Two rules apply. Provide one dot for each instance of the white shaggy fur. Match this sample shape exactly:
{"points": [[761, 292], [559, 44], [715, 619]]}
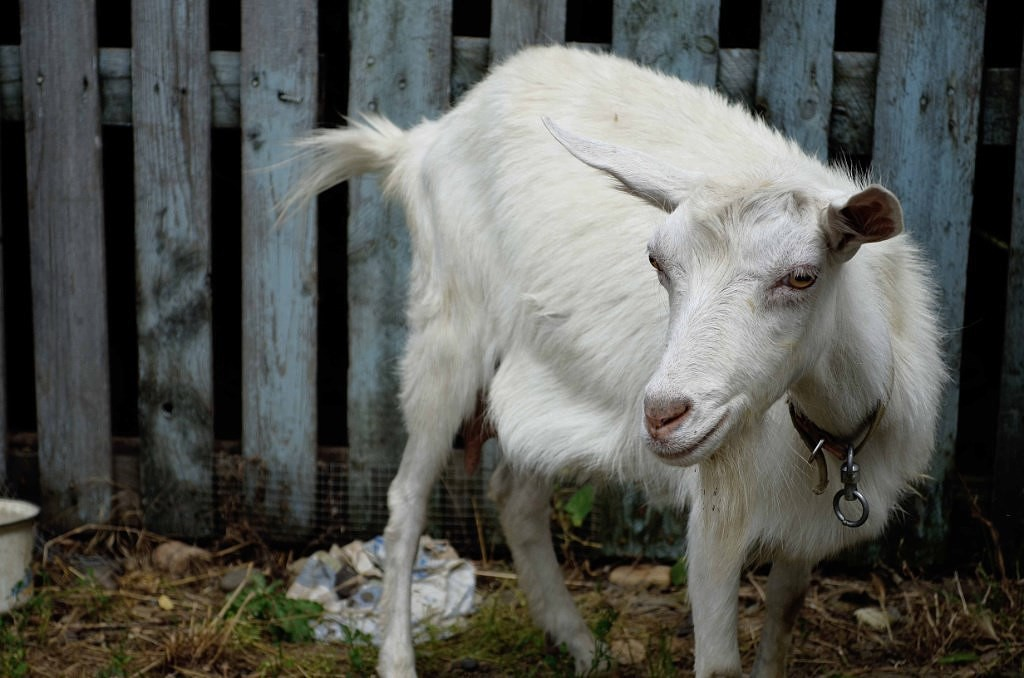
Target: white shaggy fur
{"points": [[531, 284]]}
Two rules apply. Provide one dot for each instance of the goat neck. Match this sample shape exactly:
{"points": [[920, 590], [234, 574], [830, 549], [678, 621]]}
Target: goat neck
{"points": [[846, 389]]}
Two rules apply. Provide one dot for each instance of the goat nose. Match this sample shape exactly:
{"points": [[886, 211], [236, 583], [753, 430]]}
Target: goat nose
{"points": [[662, 418]]}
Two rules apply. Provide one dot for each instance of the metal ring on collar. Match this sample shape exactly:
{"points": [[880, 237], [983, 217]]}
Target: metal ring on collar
{"points": [[851, 495]]}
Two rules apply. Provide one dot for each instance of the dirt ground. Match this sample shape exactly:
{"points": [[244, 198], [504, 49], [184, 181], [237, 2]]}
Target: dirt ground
{"points": [[102, 606]]}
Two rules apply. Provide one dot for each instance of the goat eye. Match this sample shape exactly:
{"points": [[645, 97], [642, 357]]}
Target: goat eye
{"points": [[801, 280], [654, 262]]}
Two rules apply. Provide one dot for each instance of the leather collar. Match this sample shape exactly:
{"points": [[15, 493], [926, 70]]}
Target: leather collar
{"points": [[817, 438]]}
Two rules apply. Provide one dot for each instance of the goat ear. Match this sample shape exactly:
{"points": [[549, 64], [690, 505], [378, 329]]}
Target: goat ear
{"points": [[871, 215], [638, 174]]}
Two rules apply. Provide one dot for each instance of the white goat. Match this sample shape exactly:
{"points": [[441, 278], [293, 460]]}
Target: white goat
{"points": [[530, 291]]}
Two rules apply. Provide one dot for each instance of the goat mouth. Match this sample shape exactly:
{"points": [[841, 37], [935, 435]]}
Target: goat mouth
{"points": [[687, 454]]}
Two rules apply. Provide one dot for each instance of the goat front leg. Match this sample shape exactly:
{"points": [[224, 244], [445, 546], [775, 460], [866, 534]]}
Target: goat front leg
{"points": [[524, 502], [787, 586], [713, 572]]}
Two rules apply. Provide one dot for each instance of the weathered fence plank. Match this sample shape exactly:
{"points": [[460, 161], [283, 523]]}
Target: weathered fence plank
{"points": [[65, 213], [171, 124], [469, 64], [400, 66], [794, 74], [678, 38], [514, 25], [279, 265], [852, 106], [926, 136], [3, 355], [851, 126], [1008, 472], [517, 23]]}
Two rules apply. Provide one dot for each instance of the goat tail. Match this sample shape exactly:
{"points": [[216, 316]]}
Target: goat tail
{"points": [[331, 156]]}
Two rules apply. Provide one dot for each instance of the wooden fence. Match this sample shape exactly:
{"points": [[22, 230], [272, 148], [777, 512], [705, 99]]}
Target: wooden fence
{"points": [[914, 95]]}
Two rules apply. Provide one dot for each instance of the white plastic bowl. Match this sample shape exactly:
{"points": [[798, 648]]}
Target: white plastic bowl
{"points": [[17, 535]]}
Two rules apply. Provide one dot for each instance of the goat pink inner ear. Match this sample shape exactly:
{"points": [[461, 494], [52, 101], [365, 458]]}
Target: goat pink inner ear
{"points": [[874, 213], [871, 215]]}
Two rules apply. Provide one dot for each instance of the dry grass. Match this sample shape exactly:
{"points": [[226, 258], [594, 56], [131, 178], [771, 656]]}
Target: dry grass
{"points": [[101, 609]]}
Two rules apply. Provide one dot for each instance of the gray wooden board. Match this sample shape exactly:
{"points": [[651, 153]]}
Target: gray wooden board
{"points": [[1008, 473], [401, 67], [518, 23], [851, 126], [65, 213], [794, 75], [10, 83], [171, 125], [678, 38], [469, 64], [926, 136], [279, 266], [3, 357], [852, 105], [514, 25]]}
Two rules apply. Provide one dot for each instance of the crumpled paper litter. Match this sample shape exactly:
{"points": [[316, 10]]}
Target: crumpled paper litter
{"points": [[346, 581]]}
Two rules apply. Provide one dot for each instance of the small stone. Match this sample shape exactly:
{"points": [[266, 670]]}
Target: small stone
{"points": [[642, 576], [100, 570], [876, 618], [235, 577], [628, 652], [177, 558]]}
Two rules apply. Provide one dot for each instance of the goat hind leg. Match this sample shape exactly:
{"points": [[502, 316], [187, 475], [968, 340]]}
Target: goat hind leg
{"points": [[787, 585], [439, 387], [524, 502], [407, 507]]}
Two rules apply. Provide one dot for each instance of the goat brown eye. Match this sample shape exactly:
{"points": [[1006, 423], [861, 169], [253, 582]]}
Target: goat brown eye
{"points": [[654, 262], [800, 280]]}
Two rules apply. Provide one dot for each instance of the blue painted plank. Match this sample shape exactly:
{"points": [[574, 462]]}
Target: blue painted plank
{"points": [[678, 38], [171, 126], [69, 301], [926, 136], [794, 74], [400, 66], [279, 264], [518, 23]]}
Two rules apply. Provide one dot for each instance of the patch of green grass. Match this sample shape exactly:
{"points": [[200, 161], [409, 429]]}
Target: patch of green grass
{"points": [[501, 639], [498, 638], [958, 658], [284, 619], [13, 653], [118, 666], [660, 661], [678, 572], [20, 628], [284, 661], [361, 654]]}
